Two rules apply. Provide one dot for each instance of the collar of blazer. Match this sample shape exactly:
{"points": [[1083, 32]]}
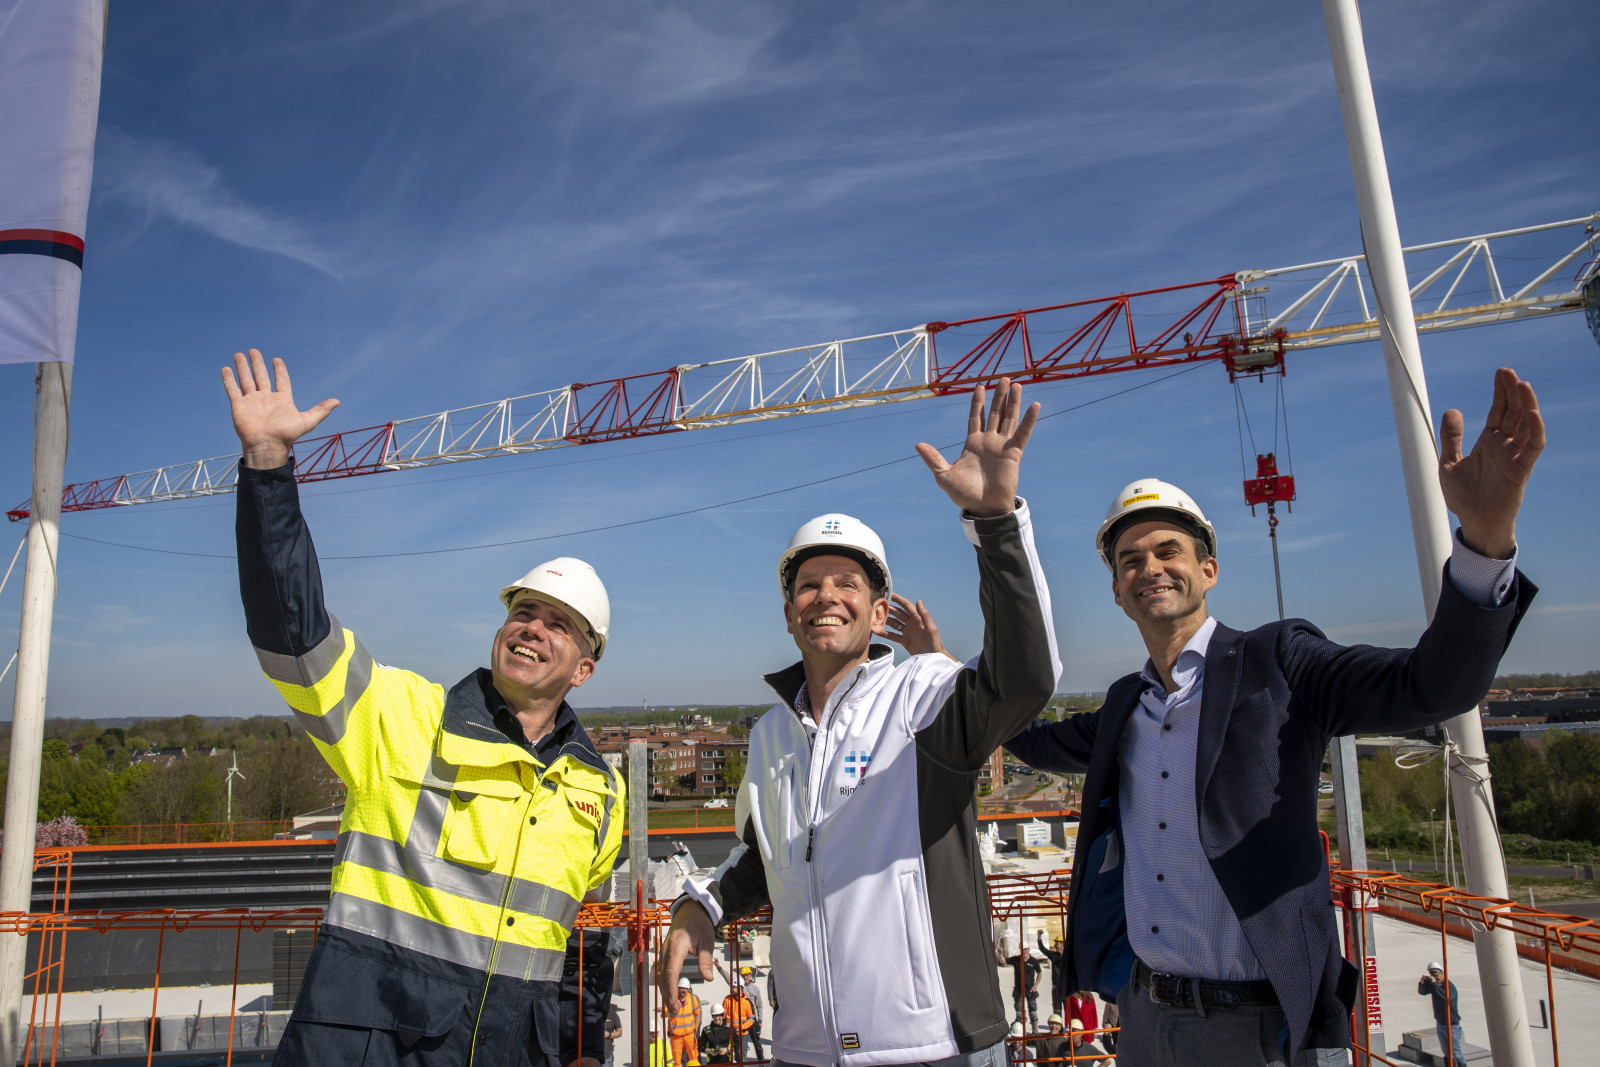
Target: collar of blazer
{"points": [[1224, 658]]}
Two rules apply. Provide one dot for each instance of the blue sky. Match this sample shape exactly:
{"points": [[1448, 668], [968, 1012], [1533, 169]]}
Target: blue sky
{"points": [[428, 205]]}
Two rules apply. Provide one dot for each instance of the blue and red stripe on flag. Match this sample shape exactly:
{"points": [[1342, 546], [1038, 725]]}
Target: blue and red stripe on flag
{"points": [[54, 243]]}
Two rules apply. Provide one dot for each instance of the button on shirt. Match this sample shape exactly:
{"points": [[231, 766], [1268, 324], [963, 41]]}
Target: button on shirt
{"points": [[1179, 920]]}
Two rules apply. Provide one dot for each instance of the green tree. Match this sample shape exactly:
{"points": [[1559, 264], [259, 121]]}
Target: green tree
{"points": [[1519, 771], [56, 774], [282, 779], [1585, 680], [733, 768], [189, 789], [1573, 759]]}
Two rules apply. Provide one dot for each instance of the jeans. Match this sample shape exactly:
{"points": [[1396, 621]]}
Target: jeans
{"points": [[993, 1056], [1160, 1035], [1453, 1043], [1033, 1009]]}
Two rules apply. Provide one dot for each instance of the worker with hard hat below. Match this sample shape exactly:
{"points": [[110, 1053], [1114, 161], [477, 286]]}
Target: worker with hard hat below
{"points": [[1199, 901], [717, 1038], [477, 819], [683, 1025], [857, 813]]}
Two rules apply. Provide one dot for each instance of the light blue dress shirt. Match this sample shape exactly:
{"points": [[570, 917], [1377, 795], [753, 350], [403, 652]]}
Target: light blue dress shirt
{"points": [[1179, 921]]}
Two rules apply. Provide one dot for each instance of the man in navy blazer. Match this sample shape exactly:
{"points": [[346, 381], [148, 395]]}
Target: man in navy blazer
{"points": [[1199, 896]]}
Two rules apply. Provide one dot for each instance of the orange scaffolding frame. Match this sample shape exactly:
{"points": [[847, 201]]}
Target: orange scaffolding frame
{"points": [[1567, 942], [1558, 941]]}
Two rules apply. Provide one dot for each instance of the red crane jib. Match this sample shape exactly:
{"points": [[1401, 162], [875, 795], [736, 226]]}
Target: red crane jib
{"points": [[1268, 486]]}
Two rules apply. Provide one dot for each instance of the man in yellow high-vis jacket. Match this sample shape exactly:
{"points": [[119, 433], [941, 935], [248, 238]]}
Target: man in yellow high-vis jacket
{"points": [[477, 820]]}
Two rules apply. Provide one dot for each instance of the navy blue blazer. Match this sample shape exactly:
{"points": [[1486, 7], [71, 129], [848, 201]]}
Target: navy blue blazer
{"points": [[1270, 701]]}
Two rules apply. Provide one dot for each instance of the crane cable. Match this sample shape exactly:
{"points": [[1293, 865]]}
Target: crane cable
{"points": [[1267, 466]]}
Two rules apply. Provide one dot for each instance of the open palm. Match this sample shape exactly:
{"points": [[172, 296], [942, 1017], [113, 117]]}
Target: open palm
{"points": [[983, 479], [264, 416], [1484, 488]]}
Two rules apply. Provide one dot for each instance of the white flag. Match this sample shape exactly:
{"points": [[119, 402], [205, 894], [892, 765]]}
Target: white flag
{"points": [[49, 103]]}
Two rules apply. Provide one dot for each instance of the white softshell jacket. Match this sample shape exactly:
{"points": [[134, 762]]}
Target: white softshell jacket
{"points": [[863, 838]]}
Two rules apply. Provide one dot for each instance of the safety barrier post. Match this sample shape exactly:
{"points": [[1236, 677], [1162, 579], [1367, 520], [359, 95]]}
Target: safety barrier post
{"points": [[58, 935], [233, 998], [155, 998], [1550, 990], [638, 866], [641, 975], [1444, 958]]}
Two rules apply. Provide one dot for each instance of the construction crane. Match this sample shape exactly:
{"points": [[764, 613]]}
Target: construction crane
{"points": [[1226, 319]]}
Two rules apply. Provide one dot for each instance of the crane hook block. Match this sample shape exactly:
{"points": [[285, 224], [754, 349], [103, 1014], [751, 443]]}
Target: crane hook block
{"points": [[1268, 486]]}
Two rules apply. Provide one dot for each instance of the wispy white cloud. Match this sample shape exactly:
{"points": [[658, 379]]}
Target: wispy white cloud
{"points": [[1565, 609], [174, 182], [117, 618], [1359, 631], [663, 55], [1301, 544]]}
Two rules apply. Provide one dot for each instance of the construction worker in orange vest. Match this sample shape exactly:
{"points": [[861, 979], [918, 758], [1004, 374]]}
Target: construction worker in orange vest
{"points": [[741, 1017], [684, 1026]]}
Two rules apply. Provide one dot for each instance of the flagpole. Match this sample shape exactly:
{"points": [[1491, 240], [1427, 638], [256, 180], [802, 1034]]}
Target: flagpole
{"points": [[33, 672], [1505, 1009]]}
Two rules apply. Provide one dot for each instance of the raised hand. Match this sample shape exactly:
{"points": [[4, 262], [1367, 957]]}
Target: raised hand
{"points": [[264, 417], [1484, 488], [983, 479], [911, 627], [691, 934]]}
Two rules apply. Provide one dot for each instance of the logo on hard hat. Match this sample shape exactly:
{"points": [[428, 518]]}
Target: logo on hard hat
{"points": [[833, 527], [1142, 496], [558, 574]]}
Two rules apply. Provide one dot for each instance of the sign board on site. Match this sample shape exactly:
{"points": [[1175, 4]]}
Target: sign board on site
{"points": [[1374, 1012]]}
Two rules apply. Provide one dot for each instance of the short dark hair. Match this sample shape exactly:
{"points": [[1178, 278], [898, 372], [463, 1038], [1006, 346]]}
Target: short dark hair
{"points": [[874, 573]]}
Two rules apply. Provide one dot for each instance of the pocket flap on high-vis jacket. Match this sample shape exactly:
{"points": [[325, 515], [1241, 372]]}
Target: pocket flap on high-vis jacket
{"points": [[476, 826]]}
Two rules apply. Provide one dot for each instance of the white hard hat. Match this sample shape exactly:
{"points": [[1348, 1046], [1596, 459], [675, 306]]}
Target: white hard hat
{"points": [[1154, 496], [1016, 1028], [573, 586], [834, 534]]}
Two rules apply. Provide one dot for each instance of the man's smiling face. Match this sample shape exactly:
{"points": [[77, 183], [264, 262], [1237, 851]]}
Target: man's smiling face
{"points": [[1159, 576], [540, 651], [831, 609]]}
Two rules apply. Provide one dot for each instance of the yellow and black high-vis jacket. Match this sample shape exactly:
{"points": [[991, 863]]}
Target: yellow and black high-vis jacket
{"points": [[464, 852]]}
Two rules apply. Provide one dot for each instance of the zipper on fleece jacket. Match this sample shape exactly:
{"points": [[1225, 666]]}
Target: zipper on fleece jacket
{"points": [[814, 797]]}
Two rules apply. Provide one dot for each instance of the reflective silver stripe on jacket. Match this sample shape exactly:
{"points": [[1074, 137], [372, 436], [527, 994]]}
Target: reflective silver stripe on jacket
{"points": [[307, 670], [447, 876], [444, 942]]}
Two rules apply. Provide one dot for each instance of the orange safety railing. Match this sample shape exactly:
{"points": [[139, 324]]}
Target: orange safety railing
{"points": [[1556, 941], [184, 833], [663, 821], [645, 921], [1031, 1048], [1559, 942]]}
